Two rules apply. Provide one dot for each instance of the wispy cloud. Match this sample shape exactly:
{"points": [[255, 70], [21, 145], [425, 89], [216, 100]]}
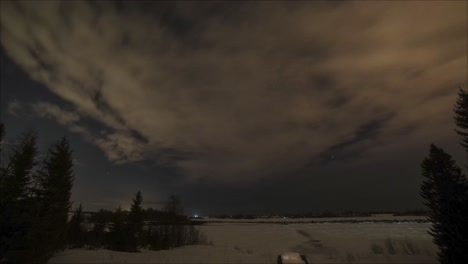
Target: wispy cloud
{"points": [[250, 88], [52, 111]]}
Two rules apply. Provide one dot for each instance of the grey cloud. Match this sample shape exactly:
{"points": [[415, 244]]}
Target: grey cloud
{"points": [[356, 146], [119, 147], [54, 112], [251, 88], [367, 131]]}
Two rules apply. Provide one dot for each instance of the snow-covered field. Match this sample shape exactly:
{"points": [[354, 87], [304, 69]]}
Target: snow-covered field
{"points": [[403, 242], [380, 218]]}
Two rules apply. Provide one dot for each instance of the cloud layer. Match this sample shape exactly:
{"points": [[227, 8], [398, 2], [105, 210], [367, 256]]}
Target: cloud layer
{"points": [[244, 90]]}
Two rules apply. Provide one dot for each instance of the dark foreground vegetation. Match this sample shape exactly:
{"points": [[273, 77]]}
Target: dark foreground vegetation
{"points": [[135, 229], [35, 208], [445, 190], [34, 199]]}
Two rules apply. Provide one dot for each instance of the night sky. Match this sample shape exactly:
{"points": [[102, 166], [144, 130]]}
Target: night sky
{"points": [[251, 107]]}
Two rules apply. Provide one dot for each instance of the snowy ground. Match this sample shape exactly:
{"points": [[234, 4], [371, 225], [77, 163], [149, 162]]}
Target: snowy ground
{"points": [[380, 218], [261, 243]]}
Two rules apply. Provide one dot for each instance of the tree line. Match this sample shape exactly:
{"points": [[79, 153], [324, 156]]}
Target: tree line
{"points": [[35, 204], [129, 231], [445, 191]]}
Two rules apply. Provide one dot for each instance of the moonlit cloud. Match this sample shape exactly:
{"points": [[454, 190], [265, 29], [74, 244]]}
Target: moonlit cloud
{"points": [[243, 90], [54, 112]]}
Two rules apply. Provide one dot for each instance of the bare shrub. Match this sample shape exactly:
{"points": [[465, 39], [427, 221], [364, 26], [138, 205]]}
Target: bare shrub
{"points": [[390, 245], [350, 258], [377, 249], [409, 248], [171, 236]]}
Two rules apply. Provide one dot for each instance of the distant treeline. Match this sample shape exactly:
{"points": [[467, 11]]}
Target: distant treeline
{"points": [[137, 228], [324, 214], [150, 217]]}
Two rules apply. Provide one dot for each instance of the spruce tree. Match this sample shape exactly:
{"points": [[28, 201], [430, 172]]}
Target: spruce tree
{"points": [[75, 233], [17, 175], [461, 117], [135, 222], [16, 204], [118, 234], [2, 136], [445, 191], [97, 237], [55, 179], [2, 168]]}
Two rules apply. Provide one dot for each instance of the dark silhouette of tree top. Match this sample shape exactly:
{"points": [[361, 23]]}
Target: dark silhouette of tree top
{"points": [[136, 214], [461, 116], [2, 135], [17, 174], [136, 202]]}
